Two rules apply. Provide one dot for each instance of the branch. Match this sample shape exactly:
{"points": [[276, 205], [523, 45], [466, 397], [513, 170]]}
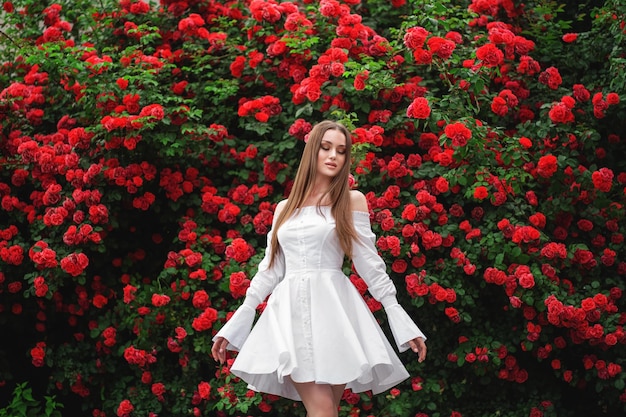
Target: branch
{"points": [[9, 38]]}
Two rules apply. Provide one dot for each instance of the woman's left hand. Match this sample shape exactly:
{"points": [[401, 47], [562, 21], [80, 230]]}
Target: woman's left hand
{"points": [[218, 351], [418, 345]]}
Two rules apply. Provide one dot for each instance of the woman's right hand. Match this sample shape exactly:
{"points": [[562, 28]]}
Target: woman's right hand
{"points": [[219, 349]]}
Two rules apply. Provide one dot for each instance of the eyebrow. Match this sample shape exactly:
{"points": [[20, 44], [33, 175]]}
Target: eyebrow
{"points": [[331, 143]]}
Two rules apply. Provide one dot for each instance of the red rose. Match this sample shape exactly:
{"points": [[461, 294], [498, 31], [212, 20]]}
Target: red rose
{"points": [[418, 109], [153, 111], [205, 320], [160, 300], [580, 93], [313, 91], [358, 283], [602, 179], [399, 266], [525, 234], [422, 56], [585, 225], [129, 293], [561, 113], [359, 80], [526, 281], [415, 37], [238, 284], [125, 408], [481, 192], [553, 250], [75, 263], [239, 250], [551, 78], [458, 133], [499, 106], [494, 276], [570, 37], [201, 300], [193, 259], [452, 314], [387, 223], [528, 66], [204, 390], [612, 99], [8, 7], [538, 220], [158, 388], [99, 300], [393, 243], [441, 47], [410, 212], [531, 197], [584, 258], [237, 66], [442, 185], [490, 54], [547, 166], [431, 239], [38, 354]]}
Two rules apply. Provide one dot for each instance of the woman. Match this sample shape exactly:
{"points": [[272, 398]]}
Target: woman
{"points": [[316, 335]]}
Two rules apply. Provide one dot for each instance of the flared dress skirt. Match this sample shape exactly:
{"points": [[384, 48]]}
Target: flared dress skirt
{"points": [[316, 327]]}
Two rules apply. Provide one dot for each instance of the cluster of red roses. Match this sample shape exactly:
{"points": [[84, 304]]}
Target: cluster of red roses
{"points": [[439, 208], [261, 108]]}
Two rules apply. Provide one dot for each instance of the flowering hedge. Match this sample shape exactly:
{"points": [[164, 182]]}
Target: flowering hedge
{"points": [[143, 147]]}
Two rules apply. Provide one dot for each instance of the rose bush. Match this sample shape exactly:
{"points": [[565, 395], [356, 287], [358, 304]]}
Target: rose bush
{"points": [[144, 145]]}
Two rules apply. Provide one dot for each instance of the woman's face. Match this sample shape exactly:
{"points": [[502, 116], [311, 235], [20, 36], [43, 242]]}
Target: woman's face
{"points": [[332, 153]]}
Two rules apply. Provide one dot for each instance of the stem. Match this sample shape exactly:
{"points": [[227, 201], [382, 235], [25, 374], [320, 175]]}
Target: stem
{"points": [[9, 38]]}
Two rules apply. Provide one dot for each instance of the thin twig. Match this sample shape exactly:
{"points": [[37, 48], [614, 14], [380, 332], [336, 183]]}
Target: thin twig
{"points": [[9, 38]]}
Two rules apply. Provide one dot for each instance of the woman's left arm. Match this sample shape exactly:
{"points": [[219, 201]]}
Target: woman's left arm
{"points": [[372, 268]]}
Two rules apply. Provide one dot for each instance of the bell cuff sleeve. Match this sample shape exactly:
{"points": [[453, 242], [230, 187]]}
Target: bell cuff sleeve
{"points": [[372, 268], [237, 329], [402, 326]]}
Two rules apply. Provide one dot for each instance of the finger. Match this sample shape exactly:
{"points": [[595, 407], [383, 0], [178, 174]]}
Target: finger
{"points": [[217, 348], [413, 346], [422, 351], [221, 351]]}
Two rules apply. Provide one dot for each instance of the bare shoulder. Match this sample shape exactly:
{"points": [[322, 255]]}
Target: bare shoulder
{"points": [[279, 207], [358, 202]]}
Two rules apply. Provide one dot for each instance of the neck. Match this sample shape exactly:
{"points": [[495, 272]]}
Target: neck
{"points": [[316, 195]]}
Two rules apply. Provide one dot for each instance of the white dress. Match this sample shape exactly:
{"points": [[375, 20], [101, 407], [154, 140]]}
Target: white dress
{"points": [[316, 326]]}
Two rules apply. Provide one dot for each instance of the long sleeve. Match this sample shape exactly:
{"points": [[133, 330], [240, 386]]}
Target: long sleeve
{"points": [[237, 329], [372, 268]]}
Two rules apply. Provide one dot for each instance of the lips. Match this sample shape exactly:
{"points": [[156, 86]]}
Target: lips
{"points": [[330, 165]]}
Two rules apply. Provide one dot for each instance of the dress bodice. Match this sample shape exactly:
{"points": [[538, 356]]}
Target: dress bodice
{"points": [[308, 241]]}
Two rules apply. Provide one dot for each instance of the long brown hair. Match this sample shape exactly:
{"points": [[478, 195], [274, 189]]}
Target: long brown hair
{"points": [[338, 193]]}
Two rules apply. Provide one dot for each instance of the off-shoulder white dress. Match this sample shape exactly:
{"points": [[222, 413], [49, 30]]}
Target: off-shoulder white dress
{"points": [[316, 326]]}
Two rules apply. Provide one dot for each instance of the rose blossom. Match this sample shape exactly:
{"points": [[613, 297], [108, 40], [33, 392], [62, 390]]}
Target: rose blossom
{"points": [[547, 166], [418, 109], [490, 54], [458, 133]]}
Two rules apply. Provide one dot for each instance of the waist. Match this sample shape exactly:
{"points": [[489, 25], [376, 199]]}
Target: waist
{"points": [[308, 270]]}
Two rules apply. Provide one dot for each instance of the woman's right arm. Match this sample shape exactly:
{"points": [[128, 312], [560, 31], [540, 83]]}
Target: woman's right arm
{"points": [[236, 330]]}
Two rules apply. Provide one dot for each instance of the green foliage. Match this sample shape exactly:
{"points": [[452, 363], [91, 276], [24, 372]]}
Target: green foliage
{"points": [[143, 147], [23, 404]]}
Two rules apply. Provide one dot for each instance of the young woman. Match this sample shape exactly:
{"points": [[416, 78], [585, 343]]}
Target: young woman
{"points": [[316, 335]]}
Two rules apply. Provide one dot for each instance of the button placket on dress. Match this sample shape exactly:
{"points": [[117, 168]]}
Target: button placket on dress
{"points": [[304, 299], [304, 307]]}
